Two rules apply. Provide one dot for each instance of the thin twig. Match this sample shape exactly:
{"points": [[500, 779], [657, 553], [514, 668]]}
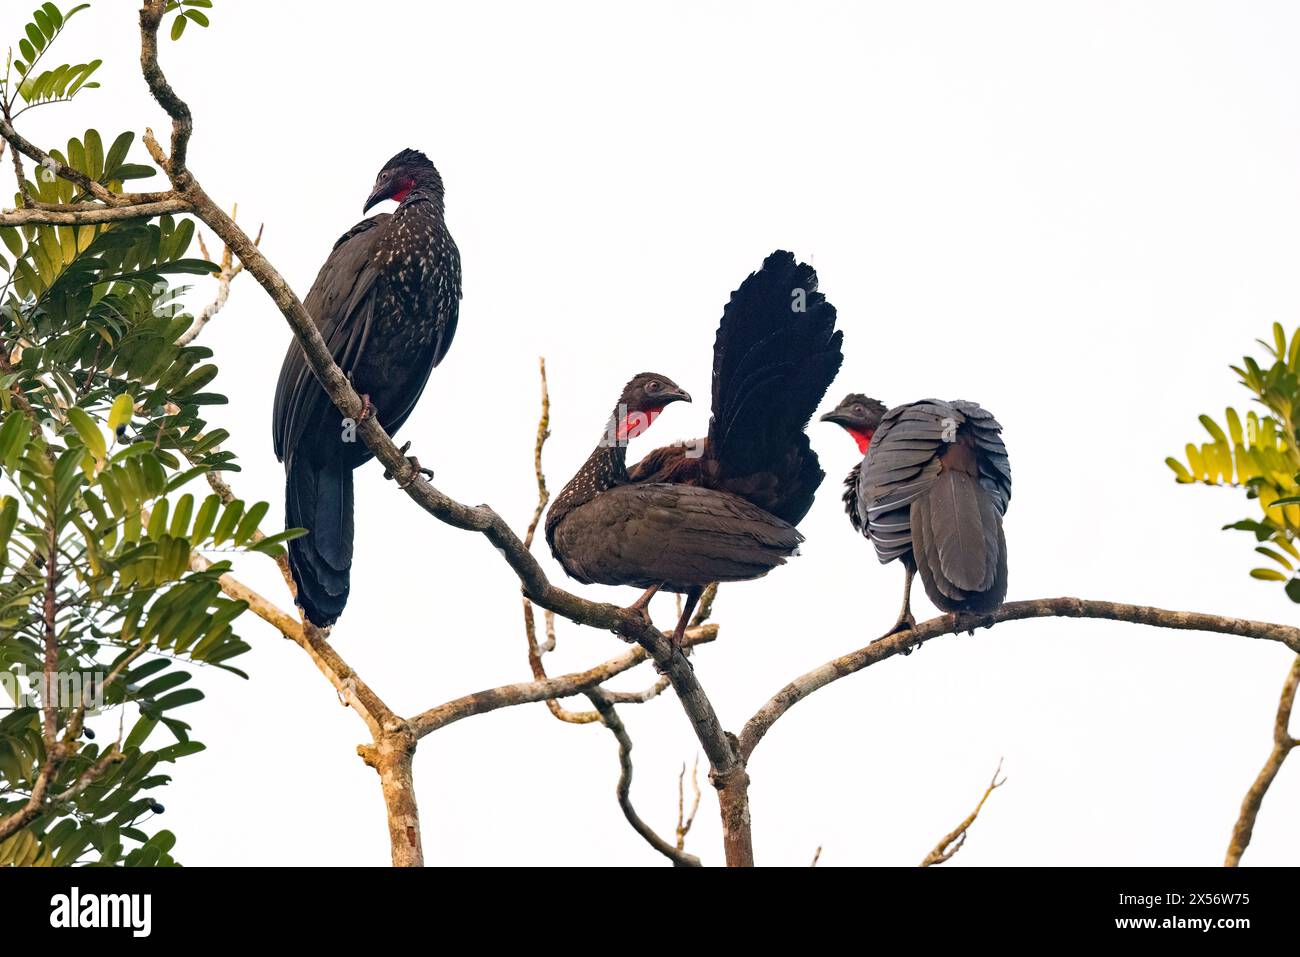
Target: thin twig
{"points": [[609, 715], [227, 271], [952, 842], [686, 819]]}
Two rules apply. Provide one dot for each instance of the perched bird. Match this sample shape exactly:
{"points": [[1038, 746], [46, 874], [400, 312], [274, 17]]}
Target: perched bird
{"points": [[931, 491], [386, 303], [722, 508]]}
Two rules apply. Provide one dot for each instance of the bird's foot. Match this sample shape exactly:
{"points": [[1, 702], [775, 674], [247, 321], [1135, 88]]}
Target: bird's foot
{"points": [[416, 469], [367, 408], [906, 622], [676, 646], [968, 621]]}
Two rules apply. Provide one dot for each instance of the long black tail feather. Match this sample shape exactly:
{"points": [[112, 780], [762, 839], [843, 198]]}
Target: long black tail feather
{"points": [[319, 499]]}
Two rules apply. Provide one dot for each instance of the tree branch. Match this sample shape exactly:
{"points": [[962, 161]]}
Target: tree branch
{"points": [[89, 215], [151, 15], [527, 692], [1283, 744], [46, 161], [890, 645]]}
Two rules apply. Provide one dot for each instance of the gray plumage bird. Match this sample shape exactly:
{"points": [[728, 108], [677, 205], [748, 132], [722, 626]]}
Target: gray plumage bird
{"points": [[931, 490], [386, 303]]}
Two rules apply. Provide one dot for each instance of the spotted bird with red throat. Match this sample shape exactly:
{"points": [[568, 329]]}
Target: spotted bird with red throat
{"points": [[386, 303], [722, 508], [931, 490]]}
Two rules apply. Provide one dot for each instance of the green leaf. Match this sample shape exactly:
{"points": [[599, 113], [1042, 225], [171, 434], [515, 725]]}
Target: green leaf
{"points": [[1212, 427], [229, 519], [132, 171], [1276, 556], [178, 698], [120, 414], [13, 439], [142, 729], [248, 524], [206, 519], [8, 519], [181, 516], [178, 27], [270, 542], [88, 432], [1267, 574], [179, 750], [117, 152], [158, 520]]}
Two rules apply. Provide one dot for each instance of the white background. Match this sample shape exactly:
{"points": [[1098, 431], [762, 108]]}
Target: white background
{"points": [[1076, 214]]}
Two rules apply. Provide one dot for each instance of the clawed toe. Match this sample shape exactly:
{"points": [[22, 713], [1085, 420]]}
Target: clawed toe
{"points": [[417, 468], [968, 621]]}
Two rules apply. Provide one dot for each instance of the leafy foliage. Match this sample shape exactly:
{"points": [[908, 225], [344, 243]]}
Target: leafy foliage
{"points": [[189, 12], [102, 428], [57, 85], [1261, 455]]}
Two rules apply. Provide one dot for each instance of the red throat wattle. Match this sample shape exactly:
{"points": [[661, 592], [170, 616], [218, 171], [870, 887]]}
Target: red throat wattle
{"points": [[863, 438], [402, 190], [634, 423]]}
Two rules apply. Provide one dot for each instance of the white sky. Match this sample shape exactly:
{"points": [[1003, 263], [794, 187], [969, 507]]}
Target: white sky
{"points": [[1076, 214]]}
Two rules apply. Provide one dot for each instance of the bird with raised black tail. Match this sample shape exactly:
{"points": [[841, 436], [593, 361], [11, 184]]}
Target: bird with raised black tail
{"points": [[931, 490], [722, 508], [386, 303]]}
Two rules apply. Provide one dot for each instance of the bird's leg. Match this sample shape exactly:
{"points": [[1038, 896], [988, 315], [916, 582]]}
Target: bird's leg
{"points": [[906, 620], [367, 407], [679, 633], [642, 605], [415, 464]]}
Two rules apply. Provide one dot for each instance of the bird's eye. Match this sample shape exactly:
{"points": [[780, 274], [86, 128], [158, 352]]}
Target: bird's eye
{"points": [[859, 410], [652, 385], [385, 174]]}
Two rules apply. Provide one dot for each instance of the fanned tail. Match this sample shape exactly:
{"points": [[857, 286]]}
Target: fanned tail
{"points": [[776, 353]]}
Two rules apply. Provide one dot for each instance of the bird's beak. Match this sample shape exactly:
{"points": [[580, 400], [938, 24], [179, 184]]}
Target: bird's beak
{"points": [[380, 194], [834, 416], [678, 395]]}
